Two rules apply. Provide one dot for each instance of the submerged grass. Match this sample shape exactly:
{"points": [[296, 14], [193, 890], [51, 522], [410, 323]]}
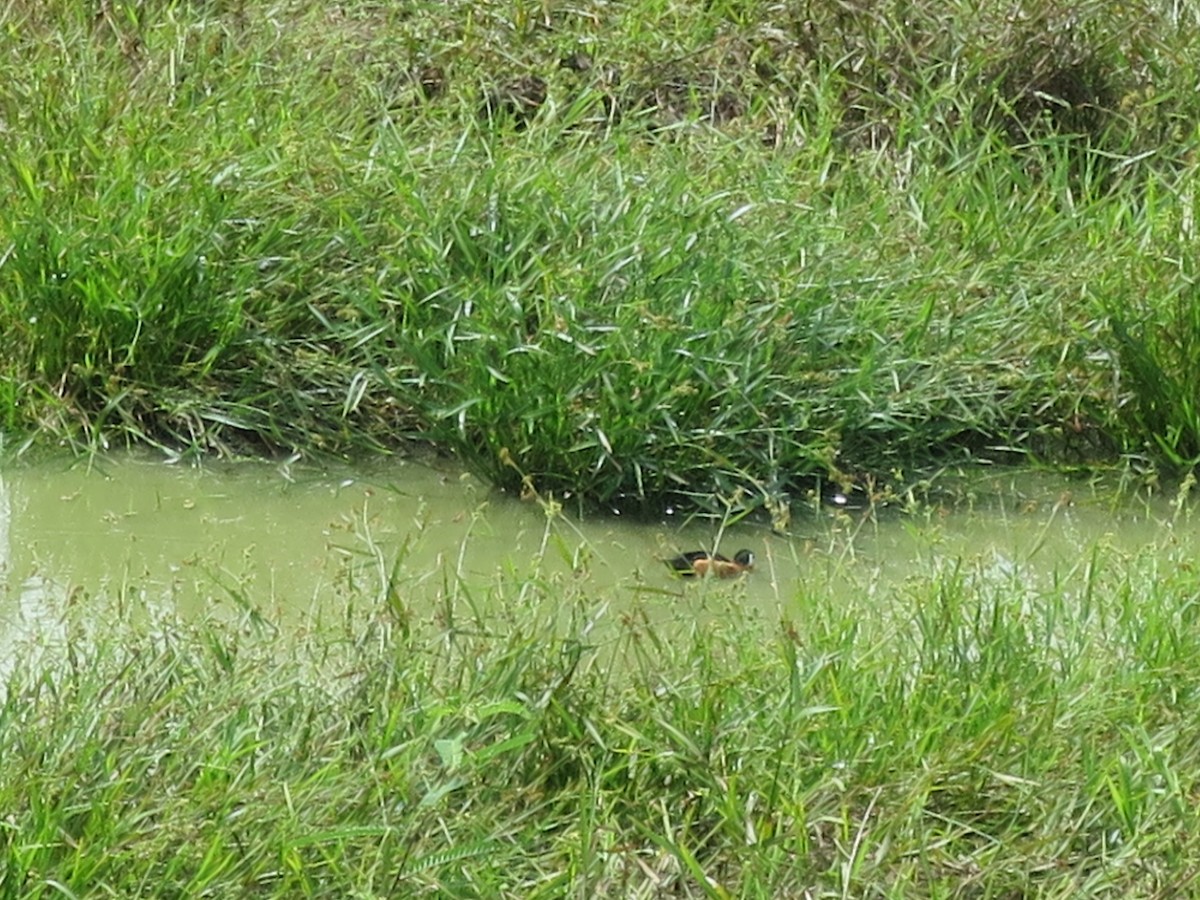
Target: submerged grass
{"points": [[632, 252], [969, 736]]}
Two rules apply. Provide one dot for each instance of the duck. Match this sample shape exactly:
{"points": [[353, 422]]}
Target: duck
{"points": [[698, 563]]}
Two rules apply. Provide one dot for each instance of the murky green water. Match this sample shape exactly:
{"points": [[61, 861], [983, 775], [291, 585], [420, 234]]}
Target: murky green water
{"points": [[135, 537]]}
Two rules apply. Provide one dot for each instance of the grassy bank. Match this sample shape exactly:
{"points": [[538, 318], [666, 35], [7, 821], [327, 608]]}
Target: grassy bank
{"points": [[965, 736], [627, 251]]}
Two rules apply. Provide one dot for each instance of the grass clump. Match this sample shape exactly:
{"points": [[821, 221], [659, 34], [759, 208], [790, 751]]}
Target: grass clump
{"points": [[967, 735], [647, 252]]}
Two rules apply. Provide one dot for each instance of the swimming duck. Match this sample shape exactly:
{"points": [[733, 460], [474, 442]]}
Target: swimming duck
{"points": [[697, 563]]}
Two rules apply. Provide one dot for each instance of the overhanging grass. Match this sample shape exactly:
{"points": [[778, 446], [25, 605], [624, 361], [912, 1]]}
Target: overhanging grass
{"points": [[967, 735], [732, 252]]}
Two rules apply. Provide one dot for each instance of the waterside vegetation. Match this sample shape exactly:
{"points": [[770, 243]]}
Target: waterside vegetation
{"points": [[968, 735], [638, 253], [635, 253]]}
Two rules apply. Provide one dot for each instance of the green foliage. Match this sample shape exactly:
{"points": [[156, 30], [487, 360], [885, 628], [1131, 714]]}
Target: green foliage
{"points": [[1158, 342], [632, 252], [1033, 740]]}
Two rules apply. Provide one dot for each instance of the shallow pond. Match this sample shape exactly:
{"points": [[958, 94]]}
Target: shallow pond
{"points": [[292, 545]]}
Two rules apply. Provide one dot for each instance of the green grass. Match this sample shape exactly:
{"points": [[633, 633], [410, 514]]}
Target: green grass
{"points": [[965, 734], [729, 251], [750, 246]]}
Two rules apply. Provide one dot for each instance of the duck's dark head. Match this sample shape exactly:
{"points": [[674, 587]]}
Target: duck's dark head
{"points": [[744, 558]]}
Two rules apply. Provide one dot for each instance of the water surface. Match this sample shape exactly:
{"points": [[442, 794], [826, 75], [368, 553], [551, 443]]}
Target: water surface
{"points": [[294, 545]]}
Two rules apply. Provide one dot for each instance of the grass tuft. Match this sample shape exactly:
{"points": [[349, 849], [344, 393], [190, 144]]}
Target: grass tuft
{"points": [[659, 254], [972, 731]]}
